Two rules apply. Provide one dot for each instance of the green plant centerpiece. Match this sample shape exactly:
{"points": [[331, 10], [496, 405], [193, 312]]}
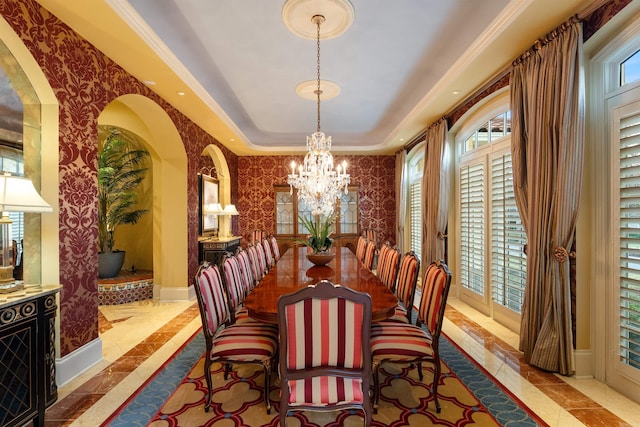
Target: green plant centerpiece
{"points": [[122, 166], [319, 240]]}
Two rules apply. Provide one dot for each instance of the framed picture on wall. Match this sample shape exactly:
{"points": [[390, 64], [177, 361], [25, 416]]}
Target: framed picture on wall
{"points": [[209, 194]]}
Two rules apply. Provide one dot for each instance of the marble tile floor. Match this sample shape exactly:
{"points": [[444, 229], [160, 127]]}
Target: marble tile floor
{"points": [[139, 337]]}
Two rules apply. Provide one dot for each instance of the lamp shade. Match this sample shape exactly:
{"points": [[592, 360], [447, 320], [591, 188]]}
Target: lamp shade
{"points": [[230, 210], [17, 194], [213, 209]]}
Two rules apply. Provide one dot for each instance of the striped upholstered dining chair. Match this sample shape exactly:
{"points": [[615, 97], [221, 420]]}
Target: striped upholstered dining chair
{"points": [[238, 343], [258, 274], [370, 255], [394, 342], [257, 236], [387, 267], [325, 362], [406, 287], [236, 289], [275, 249], [262, 259], [361, 247], [371, 235], [248, 277], [268, 253]]}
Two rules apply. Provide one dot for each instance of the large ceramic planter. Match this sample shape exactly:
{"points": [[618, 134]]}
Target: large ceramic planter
{"points": [[320, 258], [110, 264]]}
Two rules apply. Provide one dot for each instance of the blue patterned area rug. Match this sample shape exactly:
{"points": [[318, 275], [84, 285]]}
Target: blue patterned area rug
{"points": [[174, 396]]}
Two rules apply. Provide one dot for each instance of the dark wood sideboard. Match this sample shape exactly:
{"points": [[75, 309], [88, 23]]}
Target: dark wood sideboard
{"points": [[27, 355], [212, 249]]}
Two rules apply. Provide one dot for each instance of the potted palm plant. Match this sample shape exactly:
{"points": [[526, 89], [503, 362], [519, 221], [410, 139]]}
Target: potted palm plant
{"points": [[121, 169], [319, 240]]}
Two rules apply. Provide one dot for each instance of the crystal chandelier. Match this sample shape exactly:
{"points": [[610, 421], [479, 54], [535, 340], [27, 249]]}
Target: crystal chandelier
{"points": [[318, 183]]}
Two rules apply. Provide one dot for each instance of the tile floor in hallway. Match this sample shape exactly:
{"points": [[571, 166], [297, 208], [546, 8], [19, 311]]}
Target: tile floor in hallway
{"points": [[138, 338]]}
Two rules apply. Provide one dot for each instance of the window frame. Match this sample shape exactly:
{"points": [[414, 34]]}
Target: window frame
{"points": [[415, 172], [300, 234], [480, 115]]}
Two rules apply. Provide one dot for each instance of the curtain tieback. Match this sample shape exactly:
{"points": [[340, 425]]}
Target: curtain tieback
{"points": [[441, 235], [561, 254]]}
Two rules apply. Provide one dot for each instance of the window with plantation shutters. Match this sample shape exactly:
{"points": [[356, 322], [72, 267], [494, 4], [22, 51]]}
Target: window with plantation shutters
{"points": [[415, 212], [508, 262], [628, 138], [472, 227]]}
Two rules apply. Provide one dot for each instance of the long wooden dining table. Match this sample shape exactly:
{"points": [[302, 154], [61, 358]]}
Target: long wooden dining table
{"points": [[293, 271]]}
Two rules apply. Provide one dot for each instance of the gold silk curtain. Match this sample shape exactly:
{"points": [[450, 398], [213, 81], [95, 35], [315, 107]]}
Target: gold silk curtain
{"points": [[547, 105], [435, 193], [401, 198]]}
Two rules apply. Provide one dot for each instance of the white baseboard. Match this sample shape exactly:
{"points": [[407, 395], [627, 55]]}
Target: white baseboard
{"points": [[584, 363], [78, 361], [167, 293]]}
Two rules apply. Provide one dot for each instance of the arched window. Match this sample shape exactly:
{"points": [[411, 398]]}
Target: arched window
{"points": [[492, 265]]}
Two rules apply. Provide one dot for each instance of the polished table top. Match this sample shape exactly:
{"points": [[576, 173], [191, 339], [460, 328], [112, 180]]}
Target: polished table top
{"points": [[293, 271]]}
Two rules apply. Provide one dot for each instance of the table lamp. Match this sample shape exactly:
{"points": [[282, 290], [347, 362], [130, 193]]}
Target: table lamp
{"points": [[214, 209], [230, 210], [17, 194]]}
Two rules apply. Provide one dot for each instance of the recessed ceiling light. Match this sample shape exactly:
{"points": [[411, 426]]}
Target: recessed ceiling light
{"points": [[401, 139], [456, 92], [149, 82], [232, 140], [181, 93]]}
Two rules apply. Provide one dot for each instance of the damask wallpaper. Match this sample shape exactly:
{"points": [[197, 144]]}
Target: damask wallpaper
{"points": [[374, 174], [84, 81]]}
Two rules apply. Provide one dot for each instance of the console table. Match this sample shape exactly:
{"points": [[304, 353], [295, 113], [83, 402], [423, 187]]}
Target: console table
{"points": [[27, 354], [212, 249]]}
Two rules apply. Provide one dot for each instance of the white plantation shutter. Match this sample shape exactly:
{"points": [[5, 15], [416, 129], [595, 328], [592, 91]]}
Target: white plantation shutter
{"points": [[415, 213], [472, 230], [508, 262], [628, 135]]}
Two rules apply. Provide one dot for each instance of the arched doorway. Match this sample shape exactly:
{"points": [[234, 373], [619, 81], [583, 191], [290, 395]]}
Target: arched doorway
{"points": [[148, 120]]}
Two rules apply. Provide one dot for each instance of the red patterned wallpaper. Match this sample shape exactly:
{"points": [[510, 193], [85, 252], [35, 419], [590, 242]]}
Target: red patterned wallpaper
{"points": [[85, 81], [374, 174]]}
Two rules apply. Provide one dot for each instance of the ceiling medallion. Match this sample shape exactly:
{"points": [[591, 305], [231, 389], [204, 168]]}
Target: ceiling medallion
{"points": [[339, 15], [307, 90]]}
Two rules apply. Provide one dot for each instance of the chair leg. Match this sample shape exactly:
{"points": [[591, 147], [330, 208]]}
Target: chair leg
{"points": [[376, 385], [207, 376], [267, 385], [367, 408], [227, 369], [284, 407], [436, 380]]}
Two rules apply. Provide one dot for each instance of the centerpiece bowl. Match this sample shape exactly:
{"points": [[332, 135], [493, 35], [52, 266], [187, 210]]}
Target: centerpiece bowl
{"points": [[320, 258]]}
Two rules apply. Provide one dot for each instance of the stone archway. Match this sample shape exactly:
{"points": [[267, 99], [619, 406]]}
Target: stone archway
{"points": [[169, 159]]}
